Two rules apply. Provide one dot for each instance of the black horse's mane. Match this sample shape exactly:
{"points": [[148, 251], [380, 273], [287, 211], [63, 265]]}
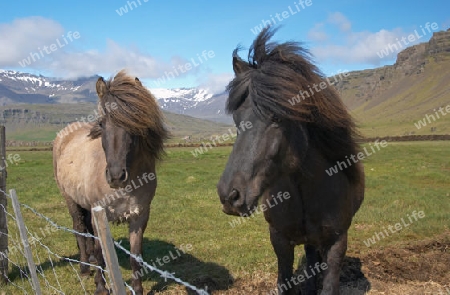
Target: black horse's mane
{"points": [[276, 73]]}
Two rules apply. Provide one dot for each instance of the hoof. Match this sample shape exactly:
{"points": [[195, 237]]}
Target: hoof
{"points": [[102, 292], [85, 271], [92, 259]]}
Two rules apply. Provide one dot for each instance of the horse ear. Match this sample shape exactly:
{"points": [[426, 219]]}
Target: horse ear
{"points": [[101, 87], [239, 66], [138, 82]]}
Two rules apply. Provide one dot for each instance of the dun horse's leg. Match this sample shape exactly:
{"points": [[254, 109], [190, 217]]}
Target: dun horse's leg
{"points": [[137, 228], [90, 241], [79, 225], [99, 275], [312, 258], [334, 258], [285, 256]]}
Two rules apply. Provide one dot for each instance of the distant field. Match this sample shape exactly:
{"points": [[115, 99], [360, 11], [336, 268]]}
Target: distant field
{"points": [[44, 121], [400, 178]]}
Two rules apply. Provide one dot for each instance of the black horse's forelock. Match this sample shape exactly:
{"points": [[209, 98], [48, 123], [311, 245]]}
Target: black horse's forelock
{"points": [[276, 73]]}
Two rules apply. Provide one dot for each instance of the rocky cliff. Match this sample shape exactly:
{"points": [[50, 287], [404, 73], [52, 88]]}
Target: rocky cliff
{"points": [[398, 94]]}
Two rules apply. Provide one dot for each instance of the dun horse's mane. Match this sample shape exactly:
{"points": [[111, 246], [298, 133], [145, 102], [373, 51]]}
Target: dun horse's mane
{"points": [[276, 73], [131, 106]]}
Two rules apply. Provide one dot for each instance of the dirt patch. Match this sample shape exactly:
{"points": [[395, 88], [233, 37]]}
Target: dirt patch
{"points": [[422, 261], [414, 268], [421, 267]]}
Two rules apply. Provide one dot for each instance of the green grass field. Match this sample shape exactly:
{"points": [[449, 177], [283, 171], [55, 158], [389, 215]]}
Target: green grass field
{"points": [[400, 178]]}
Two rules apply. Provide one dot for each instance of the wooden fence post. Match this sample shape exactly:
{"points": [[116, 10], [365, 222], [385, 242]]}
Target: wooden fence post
{"points": [[4, 203], [108, 250], [26, 245]]}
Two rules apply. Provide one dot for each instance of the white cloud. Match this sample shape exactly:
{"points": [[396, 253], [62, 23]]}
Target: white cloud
{"points": [[359, 48], [352, 47], [341, 21], [445, 25], [23, 37], [317, 33], [216, 83], [113, 59]]}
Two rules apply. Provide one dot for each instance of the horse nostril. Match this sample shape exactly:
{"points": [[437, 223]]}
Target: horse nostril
{"points": [[107, 174], [124, 175], [234, 195]]}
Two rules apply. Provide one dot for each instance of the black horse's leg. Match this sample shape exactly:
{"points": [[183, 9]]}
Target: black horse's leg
{"points": [[137, 228], [99, 275], [285, 256], [79, 225], [334, 257], [312, 260]]}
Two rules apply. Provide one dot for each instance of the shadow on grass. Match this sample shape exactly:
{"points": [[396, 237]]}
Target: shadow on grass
{"points": [[178, 261], [20, 270], [352, 279], [182, 264], [160, 254]]}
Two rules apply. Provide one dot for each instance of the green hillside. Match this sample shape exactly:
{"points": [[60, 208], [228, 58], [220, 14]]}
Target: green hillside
{"points": [[389, 101], [30, 122]]}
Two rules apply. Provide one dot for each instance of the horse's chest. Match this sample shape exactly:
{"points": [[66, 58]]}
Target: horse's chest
{"points": [[123, 209], [295, 233], [298, 229], [293, 229]]}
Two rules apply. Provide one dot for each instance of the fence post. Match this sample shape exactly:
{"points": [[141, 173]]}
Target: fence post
{"points": [[26, 245], [109, 253], [4, 202]]}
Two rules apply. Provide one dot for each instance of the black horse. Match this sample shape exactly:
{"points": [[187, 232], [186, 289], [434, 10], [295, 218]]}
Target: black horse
{"points": [[282, 159]]}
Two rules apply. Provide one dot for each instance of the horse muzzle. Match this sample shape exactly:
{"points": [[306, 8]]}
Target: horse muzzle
{"points": [[235, 204], [116, 177]]}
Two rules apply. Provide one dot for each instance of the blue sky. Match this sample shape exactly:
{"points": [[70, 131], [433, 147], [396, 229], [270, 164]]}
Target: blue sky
{"points": [[159, 39]]}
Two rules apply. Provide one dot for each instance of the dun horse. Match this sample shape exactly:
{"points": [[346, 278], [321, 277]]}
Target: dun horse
{"points": [[112, 163], [286, 153]]}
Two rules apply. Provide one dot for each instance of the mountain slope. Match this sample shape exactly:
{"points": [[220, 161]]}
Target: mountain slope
{"points": [[386, 101], [391, 99], [41, 122], [195, 102], [17, 87]]}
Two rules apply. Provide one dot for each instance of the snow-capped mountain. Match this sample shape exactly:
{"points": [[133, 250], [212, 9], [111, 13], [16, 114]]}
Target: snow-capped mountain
{"points": [[180, 100], [195, 102], [17, 87], [189, 94]]}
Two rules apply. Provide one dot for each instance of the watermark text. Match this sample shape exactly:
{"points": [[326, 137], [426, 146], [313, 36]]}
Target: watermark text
{"points": [[392, 229], [341, 165], [46, 50]]}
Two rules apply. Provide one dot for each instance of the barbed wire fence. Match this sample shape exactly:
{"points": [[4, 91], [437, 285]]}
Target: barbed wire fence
{"points": [[53, 268]]}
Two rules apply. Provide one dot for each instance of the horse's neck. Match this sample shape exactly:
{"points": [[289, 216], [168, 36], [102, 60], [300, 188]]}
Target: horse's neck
{"points": [[143, 162]]}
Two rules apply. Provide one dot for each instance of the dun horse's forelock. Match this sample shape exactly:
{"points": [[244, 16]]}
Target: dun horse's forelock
{"points": [[131, 106], [136, 108]]}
